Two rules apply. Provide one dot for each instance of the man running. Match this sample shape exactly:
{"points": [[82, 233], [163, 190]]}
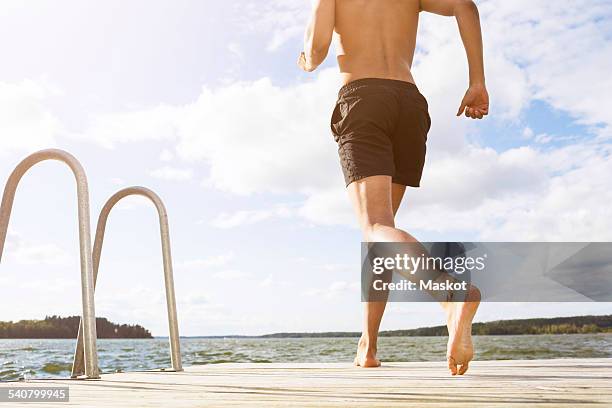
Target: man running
{"points": [[381, 122]]}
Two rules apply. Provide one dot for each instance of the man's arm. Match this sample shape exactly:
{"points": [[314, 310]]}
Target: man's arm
{"points": [[476, 100], [318, 35]]}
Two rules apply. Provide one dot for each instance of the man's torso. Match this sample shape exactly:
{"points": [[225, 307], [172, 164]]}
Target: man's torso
{"points": [[376, 38]]}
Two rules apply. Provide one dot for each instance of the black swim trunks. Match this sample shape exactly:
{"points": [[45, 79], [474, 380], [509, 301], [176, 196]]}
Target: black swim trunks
{"points": [[381, 128]]}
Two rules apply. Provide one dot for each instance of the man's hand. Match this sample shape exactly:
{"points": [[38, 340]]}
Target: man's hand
{"points": [[475, 103], [302, 63]]}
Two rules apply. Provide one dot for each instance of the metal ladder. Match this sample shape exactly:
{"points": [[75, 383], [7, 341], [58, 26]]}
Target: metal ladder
{"points": [[87, 287], [175, 347], [86, 354]]}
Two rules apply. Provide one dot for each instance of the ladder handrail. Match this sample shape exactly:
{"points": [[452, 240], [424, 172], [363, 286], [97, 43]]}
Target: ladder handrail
{"points": [[87, 280], [175, 350]]}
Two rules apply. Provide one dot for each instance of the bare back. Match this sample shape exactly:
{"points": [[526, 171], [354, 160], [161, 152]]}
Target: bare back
{"points": [[376, 38]]}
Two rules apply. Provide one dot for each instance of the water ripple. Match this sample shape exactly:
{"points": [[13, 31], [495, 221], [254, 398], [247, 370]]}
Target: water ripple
{"points": [[53, 358]]}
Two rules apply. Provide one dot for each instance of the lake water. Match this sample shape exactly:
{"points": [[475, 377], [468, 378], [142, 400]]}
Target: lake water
{"points": [[53, 358]]}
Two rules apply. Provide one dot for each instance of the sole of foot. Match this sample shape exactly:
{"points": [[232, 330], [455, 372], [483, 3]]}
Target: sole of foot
{"points": [[460, 315]]}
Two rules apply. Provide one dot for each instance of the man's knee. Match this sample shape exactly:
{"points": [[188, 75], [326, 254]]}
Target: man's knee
{"points": [[383, 232], [387, 232]]}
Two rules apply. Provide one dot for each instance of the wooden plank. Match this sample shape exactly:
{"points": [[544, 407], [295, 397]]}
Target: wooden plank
{"points": [[547, 383]]}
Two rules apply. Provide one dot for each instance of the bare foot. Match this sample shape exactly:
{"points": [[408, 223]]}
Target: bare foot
{"points": [[459, 315], [366, 354]]}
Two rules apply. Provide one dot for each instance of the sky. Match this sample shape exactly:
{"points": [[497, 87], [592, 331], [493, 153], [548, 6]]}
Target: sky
{"points": [[202, 102]]}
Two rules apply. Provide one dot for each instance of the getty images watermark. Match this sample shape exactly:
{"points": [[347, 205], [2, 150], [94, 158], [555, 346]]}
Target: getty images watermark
{"points": [[405, 264], [504, 272]]}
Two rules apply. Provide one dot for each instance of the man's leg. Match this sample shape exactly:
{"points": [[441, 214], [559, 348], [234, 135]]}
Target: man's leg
{"points": [[374, 311], [376, 201]]}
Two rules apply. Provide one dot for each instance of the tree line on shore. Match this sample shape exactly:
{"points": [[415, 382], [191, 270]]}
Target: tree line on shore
{"points": [[557, 325], [56, 327]]}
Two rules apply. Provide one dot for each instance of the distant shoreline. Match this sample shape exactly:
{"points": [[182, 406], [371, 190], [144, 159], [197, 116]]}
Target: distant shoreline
{"points": [[56, 327], [534, 326]]}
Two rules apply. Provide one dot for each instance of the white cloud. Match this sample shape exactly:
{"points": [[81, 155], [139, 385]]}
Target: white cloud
{"points": [[131, 126], [130, 302], [248, 217], [231, 274], [236, 49], [334, 290], [267, 282], [117, 181], [25, 252], [284, 19], [166, 155], [255, 136], [26, 123], [544, 138], [195, 299], [563, 48], [329, 206], [528, 133], [270, 281], [208, 262], [277, 142], [520, 194], [334, 267], [169, 173]]}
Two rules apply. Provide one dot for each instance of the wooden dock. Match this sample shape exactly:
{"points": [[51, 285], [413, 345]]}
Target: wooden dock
{"points": [[545, 383]]}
